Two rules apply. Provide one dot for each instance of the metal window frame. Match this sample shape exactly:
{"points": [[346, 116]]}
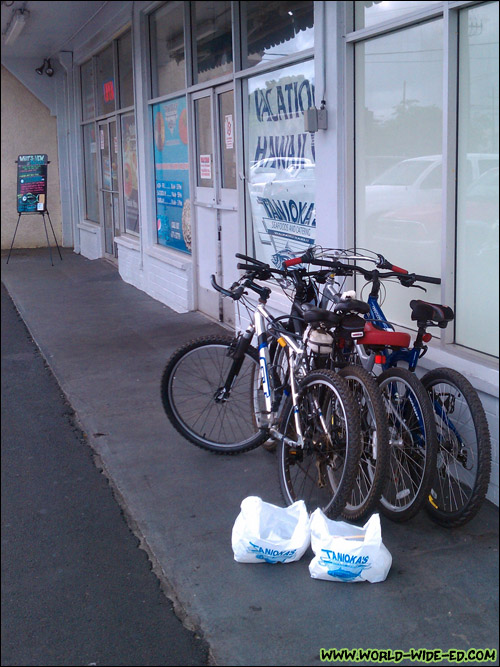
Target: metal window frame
{"points": [[107, 117], [449, 13]]}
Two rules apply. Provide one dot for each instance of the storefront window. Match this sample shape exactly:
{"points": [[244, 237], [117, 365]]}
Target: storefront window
{"points": [[130, 188], [281, 162], [367, 14], [106, 94], [109, 145], [398, 123], [167, 49], [226, 129], [213, 48], [275, 29], [203, 123], [88, 95], [125, 72], [90, 166], [477, 189], [173, 211]]}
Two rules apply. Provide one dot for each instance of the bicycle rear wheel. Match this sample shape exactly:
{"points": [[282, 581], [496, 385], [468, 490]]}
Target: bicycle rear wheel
{"points": [[464, 449], [374, 461], [323, 471], [412, 443], [194, 399]]}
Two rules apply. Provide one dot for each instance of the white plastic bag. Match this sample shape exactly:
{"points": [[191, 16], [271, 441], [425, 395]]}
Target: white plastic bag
{"points": [[347, 553], [265, 533]]}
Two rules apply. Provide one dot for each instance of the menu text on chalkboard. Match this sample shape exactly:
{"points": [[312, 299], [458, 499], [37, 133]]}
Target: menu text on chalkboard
{"points": [[32, 183]]}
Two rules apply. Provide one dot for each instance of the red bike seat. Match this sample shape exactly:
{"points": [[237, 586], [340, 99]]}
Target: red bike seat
{"points": [[375, 336]]}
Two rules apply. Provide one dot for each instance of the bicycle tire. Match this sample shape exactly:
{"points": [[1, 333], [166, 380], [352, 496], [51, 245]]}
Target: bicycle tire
{"points": [[374, 461], [332, 458], [412, 444], [463, 465], [190, 383]]}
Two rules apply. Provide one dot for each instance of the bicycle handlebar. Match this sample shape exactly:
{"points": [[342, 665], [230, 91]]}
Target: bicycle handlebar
{"points": [[427, 279], [292, 262], [348, 269], [254, 261], [383, 263], [405, 278], [235, 292]]}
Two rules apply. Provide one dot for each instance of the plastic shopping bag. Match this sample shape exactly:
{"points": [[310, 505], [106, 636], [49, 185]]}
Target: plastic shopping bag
{"points": [[265, 533], [347, 553]]}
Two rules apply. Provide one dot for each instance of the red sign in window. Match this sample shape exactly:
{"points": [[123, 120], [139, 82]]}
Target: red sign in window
{"points": [[109, 91]]}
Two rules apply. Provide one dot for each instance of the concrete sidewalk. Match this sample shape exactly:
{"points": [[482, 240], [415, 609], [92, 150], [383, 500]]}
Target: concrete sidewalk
{"points": [[107, 344]]}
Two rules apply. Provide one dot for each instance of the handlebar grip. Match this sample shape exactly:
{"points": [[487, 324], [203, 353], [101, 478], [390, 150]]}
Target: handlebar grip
{"points": [[248, 267], [397, 269], [383, 263], [238, 255], [428, 279], [293, 261], [234, 294]]}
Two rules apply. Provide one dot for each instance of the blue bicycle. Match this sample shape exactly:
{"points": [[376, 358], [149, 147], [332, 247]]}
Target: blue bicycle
{"points": [[455, 487]]}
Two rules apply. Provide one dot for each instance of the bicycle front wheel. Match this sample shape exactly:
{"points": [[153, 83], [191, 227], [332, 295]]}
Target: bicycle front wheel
{"points": [[323, 470], [412, 443], [463, 465], [198, 405], [374, 461]]}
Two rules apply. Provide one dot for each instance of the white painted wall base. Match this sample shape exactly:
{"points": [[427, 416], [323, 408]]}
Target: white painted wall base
{"points": [[164, 275], [129, 261], [169, 278], [90, 240]]}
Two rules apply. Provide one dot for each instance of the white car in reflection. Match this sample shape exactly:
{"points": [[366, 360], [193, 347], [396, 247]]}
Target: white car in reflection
{"points": [[415, 182], [263, 172], [417, 229]]}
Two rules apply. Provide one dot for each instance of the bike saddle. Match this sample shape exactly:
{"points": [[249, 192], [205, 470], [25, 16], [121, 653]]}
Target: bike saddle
{"points": [[351, 306], [314, 314], [373, 336], [422, 311]]}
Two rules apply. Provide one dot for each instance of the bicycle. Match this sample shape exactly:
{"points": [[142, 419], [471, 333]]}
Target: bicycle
{"points": [[318, 339], [205, 391], [463, 462]]}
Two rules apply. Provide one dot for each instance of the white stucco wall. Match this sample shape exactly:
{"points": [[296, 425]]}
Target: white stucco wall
{"points": [[27, 127]]}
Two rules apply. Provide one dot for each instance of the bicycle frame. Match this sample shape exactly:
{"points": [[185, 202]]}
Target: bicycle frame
{"points": [[261, 317], [407, 355]]}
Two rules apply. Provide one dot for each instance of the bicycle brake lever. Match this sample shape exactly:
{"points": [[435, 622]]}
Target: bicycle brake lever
{"points": [[410, 282]]}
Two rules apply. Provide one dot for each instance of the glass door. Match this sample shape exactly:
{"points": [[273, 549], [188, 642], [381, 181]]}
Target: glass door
{"points": [[109, 188], [219, 234]]}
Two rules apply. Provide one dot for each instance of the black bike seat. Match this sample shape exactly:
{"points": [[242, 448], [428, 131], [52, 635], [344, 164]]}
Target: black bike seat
{"points": [[351, 306], [315, 314], [423, 311]]}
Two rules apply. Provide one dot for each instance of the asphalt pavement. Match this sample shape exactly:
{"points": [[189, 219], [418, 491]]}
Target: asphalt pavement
{"points": [[107, 344], [77, 589]]}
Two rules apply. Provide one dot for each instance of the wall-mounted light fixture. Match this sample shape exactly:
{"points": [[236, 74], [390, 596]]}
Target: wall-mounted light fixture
{"points": [[16, 25], [46, 66]]}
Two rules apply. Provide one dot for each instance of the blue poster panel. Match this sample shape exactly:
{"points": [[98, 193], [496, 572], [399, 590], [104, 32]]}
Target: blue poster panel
{"points": [[173, 209], [32, 183]]}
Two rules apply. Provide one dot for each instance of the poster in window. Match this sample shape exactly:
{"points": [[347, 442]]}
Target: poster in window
{"points": [[130, 188], [173, 211], [281, 163], [32, 183]]}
